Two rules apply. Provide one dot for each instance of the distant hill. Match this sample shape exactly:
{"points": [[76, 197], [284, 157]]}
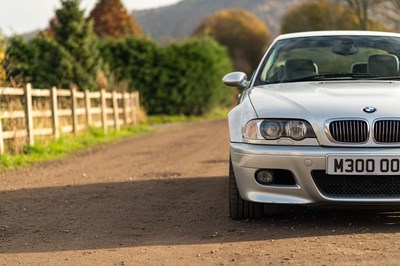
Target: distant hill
{"points": [[30, 35], [180, 20]]}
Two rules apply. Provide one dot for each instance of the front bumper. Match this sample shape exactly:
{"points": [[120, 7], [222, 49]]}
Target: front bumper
{"points": [[300, 160]]}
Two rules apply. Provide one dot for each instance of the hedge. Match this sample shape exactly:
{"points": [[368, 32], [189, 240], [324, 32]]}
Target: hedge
{"points": [[181, 78]]}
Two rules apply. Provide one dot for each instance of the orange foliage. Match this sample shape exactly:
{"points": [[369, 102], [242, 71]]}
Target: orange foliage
{"points": [[245, 36], [112, 20], [323, 15], [2, 57]]}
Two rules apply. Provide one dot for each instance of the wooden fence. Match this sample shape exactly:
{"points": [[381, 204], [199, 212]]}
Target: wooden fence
{"points": [[123, 107]]}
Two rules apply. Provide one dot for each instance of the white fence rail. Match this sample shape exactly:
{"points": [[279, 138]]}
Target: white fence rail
{"points": [[123, 107]]}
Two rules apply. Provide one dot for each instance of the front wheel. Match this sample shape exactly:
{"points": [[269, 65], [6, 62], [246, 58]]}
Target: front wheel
{"points": [[239, 208]]}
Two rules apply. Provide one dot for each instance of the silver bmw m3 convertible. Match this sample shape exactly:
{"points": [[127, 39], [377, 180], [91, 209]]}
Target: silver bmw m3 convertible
{"points": [[318, 123]]}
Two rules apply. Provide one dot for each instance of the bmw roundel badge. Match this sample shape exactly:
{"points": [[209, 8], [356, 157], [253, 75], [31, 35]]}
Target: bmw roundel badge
{"points": [[369, 109]]}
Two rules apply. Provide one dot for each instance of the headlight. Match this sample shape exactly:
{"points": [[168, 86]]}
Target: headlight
{"points": [[273, 129], [297, 130], [250, 131]]}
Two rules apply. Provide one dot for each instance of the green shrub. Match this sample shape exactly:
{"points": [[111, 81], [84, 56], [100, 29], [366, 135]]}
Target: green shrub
{"points": [[42, 61], [65, 54], [18, 60], [177, 79], [51, 64]]}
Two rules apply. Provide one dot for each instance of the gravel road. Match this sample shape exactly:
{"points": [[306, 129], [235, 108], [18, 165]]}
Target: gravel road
{"points": [[161, 199]]}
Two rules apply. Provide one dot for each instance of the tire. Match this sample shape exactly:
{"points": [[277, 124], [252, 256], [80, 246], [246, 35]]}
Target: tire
{"points": [[239, 208]]}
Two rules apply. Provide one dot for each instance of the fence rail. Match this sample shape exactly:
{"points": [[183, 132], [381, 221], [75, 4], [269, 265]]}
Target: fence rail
{"points": [[122, 106]]}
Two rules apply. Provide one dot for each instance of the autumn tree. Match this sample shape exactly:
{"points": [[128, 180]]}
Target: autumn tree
{"points": [[368, 11], [364, 10], [324, 15], [245, 36], [394, 16], [319, 15], [2, 57], [361, 9], [112, 20], [75, 34]]}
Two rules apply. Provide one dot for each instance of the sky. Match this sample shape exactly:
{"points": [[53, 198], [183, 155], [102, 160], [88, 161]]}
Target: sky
{"points": [[22, 16]]}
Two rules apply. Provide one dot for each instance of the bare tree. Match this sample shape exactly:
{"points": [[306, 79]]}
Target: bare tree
{"points": [[363, 9], [394, 14]]}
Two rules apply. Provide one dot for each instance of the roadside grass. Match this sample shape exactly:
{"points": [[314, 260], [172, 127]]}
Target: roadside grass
{"points": [[68, 144], [165, 119], [65, 145]]}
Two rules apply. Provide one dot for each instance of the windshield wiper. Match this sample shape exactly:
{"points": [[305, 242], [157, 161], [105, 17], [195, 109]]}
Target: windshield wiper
{"points": [[387, 78], [332, 76]]}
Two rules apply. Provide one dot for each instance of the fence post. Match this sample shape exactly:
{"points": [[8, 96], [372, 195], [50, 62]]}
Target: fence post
{"points": [[87, 108], [103, 110], [137, 104], [73, 109], [28, 113], [125, 102], [54, 112], [133, 106], [1, 137], [115, 109]]}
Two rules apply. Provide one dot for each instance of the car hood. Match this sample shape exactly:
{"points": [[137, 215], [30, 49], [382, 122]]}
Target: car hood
{"points": [[326, 100], [318, 102]]}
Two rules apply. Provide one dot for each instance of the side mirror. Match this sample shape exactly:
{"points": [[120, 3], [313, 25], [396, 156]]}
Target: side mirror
{"points": [[236, 79]]}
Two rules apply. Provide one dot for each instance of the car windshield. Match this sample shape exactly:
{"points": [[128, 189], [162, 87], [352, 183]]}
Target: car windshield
{"points": [[331, 58]]}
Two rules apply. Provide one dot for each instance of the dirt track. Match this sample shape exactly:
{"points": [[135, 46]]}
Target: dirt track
{"points": [[161, 199]]}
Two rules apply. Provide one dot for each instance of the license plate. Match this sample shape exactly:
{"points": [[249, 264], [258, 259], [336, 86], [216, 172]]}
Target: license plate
{"points": [[363, 165]]}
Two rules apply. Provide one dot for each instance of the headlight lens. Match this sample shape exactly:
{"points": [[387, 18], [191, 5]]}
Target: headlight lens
{"points": [[250, 131], [273, 129], [297, 130]]}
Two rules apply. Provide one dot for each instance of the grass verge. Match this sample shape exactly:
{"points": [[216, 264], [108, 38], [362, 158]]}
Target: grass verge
{"points": [[164, 119], [67, 144]]}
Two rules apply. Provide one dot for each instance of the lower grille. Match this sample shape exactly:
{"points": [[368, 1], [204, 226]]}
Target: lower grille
{"points": [[378, 186]]}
